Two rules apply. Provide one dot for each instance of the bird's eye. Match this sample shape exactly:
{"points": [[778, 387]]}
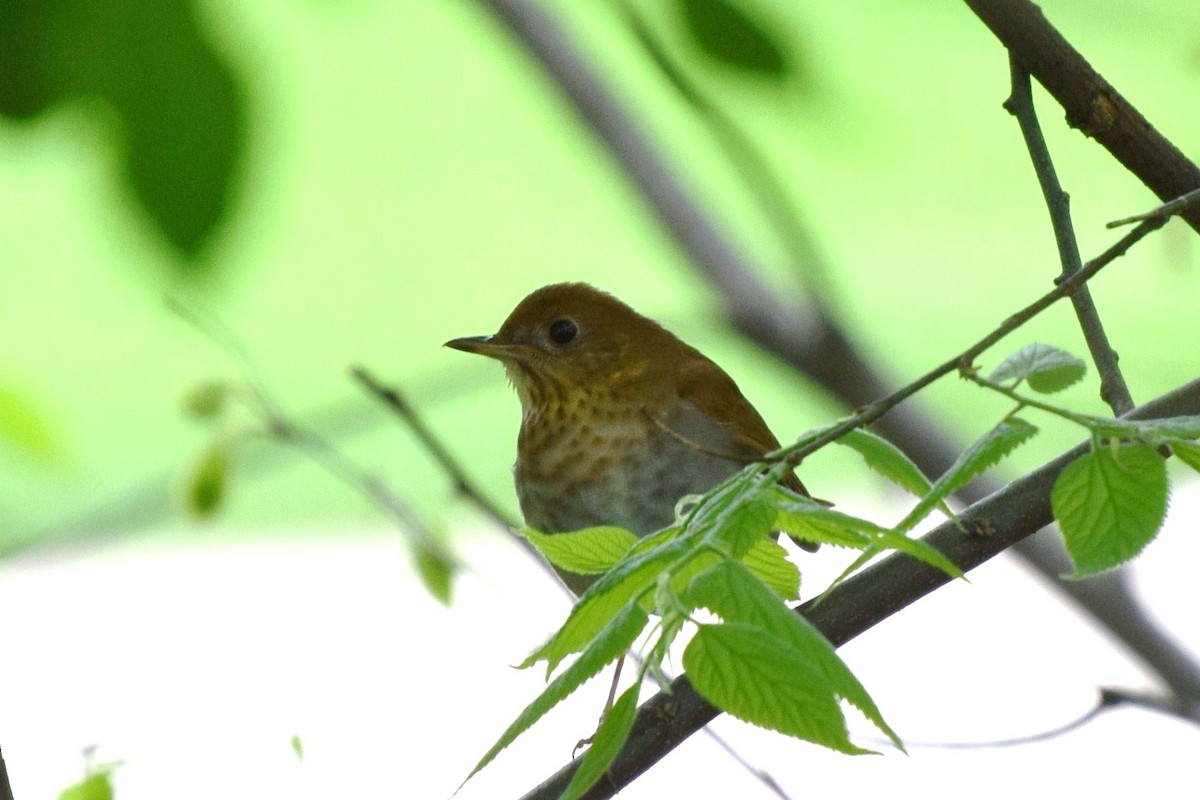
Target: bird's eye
{"points": [[563, 331]]}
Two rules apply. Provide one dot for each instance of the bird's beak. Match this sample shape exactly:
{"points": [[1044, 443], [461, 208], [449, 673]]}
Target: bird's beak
{"points": [[486, 346]]}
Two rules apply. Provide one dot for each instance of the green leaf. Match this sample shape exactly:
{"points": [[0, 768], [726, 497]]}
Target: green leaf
{"points": [[590, 551], [816, 523], [1046, 369], [756, 677], [1109, 504], [731, 592], [606, 745], [206, 488], [1188, 453], [297, 747], [887, 460], [725, 33], [207, 400], [436, 570], [603, 600], [984, 453], [609, 644], [769, 561], [920, 551], [160, 78], [25, 429], [97, 786]]}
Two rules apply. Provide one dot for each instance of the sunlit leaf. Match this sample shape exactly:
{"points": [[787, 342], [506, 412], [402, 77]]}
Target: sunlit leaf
{"points": [[608, 645], [731, 592], [888, 460], [606, 745], [769, 561], [436, 570], [1045, 368], [1110, 504], [1188, 453], [983, 454], [590, 551], [97, 786]]}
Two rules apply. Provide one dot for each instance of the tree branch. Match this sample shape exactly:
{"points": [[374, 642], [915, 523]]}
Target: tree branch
{"points": [[866, 599], [1113, 389], [1093, 106]]}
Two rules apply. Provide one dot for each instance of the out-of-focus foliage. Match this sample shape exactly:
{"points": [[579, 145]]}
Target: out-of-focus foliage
{"points": [[181, 120]]}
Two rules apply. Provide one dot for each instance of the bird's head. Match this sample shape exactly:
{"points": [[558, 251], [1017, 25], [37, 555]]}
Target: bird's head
{"points": [[571, 337]]}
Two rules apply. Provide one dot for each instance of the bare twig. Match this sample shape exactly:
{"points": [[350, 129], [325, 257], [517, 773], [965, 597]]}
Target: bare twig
{"points": [[391, 397], [1113, 389], [1169, 209], [864, 600]]}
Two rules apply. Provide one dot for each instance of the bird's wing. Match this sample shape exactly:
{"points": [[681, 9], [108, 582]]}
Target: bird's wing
{"points": [[713, 416]]}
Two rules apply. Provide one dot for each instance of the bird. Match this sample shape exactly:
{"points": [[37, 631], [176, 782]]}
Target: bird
{"points": [[620, 418]]}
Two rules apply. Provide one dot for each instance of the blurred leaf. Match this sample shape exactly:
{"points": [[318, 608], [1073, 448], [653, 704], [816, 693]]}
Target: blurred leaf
{"points": [[1047, 369], [297, 747], [93, 787], [206, 400], [23, 428], [179, 106], [436, 570], [1109, 504], [1188, 453], [206, 489], [725, 33]]}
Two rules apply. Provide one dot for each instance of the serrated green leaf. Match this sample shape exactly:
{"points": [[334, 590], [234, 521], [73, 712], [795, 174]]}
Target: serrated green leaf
{"points": [[1109, 504], [590, 551], [24, 428], [603, 600], [725, 33], [920, 551], [820, 524], [606, 745], [888, 460], [769, 561], [608, 645], [206, 488], [756, 677], [1188, 453], [1045, 368], [731, 592], [988, 450], [743, 525]]}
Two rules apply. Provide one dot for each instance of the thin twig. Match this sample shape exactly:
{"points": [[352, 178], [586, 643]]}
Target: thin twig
{"points": [[864, 600], [463, 485], [794, 455], [279, 426], [1113, 389], [1169, 209]]}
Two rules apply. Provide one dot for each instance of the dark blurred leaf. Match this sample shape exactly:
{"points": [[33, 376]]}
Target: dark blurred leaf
{"points": [[726, 33], [206, 488], [180, 109]]}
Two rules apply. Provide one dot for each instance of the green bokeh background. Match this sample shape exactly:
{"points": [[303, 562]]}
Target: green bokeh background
{"points": [[409, 173]]}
